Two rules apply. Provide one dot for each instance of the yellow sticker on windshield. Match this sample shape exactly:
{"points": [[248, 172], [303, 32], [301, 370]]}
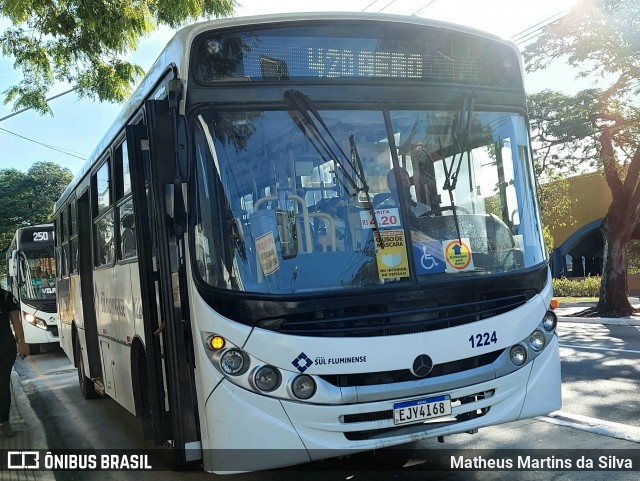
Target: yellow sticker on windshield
{"points": [[457, 255], [392, 258]]}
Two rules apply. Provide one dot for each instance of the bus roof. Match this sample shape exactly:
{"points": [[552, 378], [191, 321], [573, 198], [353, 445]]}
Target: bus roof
{"points": [[175, 51]]}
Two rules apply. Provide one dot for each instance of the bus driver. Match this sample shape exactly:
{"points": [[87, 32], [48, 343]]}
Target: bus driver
{"points": [[417, 208]]}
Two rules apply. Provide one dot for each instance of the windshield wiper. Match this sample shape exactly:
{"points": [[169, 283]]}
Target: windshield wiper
{"points": [[461, 138], [355, 158], [302, 105]]}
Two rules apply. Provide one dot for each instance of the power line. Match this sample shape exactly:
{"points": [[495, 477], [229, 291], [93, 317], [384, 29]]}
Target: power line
{"points": [[531, 32], [374, 1], [421, 9], [57, 149], [29, 108], [539, 25], [387, 5], [64, 151]]}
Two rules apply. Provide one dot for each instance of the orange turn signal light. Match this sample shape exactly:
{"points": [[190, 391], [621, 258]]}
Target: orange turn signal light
{"points": [[555, 303], [216, 343]]}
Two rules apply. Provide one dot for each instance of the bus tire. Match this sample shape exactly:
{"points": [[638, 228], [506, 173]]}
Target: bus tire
{"points": [[87, 387], [34, 348], [143, 394]]}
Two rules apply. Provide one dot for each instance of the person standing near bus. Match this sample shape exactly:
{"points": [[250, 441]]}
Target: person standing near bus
{"points": [[9, 313]]}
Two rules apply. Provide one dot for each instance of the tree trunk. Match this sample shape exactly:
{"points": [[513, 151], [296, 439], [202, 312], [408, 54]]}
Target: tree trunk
{"points": [[617, 228], [614, 301]]}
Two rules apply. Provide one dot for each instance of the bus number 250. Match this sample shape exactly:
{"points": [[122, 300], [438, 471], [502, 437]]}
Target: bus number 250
{"points": [[483, 339]]}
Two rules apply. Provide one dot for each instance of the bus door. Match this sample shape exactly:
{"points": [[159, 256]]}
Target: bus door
{"points": [[160, 215], [88, 317]]}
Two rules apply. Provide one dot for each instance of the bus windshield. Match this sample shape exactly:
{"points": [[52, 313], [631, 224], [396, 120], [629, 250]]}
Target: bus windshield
{"points": [[37, 274], [286, 198]]}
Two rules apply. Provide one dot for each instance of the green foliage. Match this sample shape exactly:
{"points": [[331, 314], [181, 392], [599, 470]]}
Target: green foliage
{"points": [[597, 127], [86, 43], [633, 252], [549, 242], [563, 131], [555, 202], [28, 198], [599, 37], [587, 287]]}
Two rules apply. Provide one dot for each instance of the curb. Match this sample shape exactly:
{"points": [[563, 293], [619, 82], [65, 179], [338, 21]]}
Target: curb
{"points": [[607, 321], [30, 434]]}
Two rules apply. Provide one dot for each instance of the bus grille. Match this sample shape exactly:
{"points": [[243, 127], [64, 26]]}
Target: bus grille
{"points": [[395, 319], [405, 375]]}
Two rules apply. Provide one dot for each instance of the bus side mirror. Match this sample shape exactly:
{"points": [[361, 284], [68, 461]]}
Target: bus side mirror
{"points": [[13, 267], [168, 140], [168, 135]]}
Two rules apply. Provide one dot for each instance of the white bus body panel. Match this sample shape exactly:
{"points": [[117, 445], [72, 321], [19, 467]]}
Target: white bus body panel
{"points": [[115, 296], [70, 312]]}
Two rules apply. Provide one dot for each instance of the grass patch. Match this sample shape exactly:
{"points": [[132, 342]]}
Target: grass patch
{"points": [[570, 299]]}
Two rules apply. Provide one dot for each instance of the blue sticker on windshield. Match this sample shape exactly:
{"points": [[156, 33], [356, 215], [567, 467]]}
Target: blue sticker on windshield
{"points": [[428, 257]]}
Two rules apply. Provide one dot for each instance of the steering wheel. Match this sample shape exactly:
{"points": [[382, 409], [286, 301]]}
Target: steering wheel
{"points": [[446, 207]]}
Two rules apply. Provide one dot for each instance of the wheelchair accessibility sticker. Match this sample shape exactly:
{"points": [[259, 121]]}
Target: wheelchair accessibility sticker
{"points": [[457, 255], [428, 257]]}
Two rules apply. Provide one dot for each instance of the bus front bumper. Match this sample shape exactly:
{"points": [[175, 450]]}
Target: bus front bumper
{"points": [[263, 433]]}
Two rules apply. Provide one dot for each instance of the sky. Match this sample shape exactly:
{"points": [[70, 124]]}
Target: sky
{"points": [[77, 125]]}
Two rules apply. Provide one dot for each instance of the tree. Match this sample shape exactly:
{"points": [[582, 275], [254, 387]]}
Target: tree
{"points": [[601, 126], [86, 43], [28, 198]]}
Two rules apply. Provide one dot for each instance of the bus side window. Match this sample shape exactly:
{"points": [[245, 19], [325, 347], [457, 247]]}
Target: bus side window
{"points": [[104, 250], [127, 230], [127, 225]]}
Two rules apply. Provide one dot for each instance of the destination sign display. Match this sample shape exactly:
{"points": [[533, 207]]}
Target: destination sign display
{"points": [[364, 50], [39, 236]]}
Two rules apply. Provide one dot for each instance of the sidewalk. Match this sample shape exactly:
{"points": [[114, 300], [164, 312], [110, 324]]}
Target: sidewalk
{"points": [[566, 313], [29, 434]]}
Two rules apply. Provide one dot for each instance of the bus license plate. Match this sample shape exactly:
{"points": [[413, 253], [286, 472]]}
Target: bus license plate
{"points": [[421, 409]]}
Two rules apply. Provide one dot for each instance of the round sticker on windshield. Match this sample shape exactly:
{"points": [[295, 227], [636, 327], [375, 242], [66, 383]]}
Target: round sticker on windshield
{"points": [[457, 255]]}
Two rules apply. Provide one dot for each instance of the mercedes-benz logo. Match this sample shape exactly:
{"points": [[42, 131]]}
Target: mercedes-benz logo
{"points": [[422, 366]]}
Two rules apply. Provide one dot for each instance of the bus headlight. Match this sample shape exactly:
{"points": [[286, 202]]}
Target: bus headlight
{"points": [[518, 355], [537, 340], [29, 318], [549, 321], [267, 378], [232, 362], [303, 387]]}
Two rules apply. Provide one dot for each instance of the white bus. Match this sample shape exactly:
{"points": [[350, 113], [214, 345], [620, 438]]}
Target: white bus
{"points": [[282, 301], [31, 278]]}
